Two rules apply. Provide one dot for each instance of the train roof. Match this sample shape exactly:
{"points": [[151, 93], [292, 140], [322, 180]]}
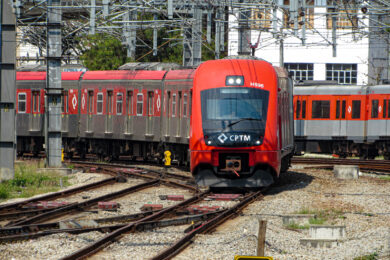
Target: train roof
{"points": [[379, 89], [180, 74], [41, 75], [124, 75], [330, 90]]}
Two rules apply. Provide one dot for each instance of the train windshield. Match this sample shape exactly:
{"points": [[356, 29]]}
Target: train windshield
{"points": [[230, 109]]}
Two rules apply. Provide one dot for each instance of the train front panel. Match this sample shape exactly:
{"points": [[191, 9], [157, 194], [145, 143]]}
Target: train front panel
{"points": [[234, 126]]}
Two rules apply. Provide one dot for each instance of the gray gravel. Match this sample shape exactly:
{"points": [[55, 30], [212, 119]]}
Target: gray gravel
{"points": [[362, 205]]}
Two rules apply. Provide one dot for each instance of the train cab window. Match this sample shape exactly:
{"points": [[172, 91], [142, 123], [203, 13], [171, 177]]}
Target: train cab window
{"points": [[298, 109], [374, 108], [119, 103], [185, 105], [304, 109], [384, 108], [109, 102], [99, 103], [129, 102], [22, 102], [150, 103], [35, 101], [90, 102], [173, 105], [140, 104], [65, 100], [320, 109], [356, 105]]}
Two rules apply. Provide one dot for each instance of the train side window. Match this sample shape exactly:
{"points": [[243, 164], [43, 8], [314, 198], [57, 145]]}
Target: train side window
{"points": [[119, 103], [35, 101], [129, 102], [374, 108], [356, 105], [65, 100], [384, 108], [320, 109], [150, 103], [343, 106], [173, 105], [185, 103], [22, 100], [140, 104], [304, 109], [90, 102], [298, 109], [338, 109], [99, 103], [388, 108]]}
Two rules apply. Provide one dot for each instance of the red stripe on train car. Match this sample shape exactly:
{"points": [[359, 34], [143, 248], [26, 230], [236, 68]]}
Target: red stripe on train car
{"points": [[124, 75], [41, 75]]}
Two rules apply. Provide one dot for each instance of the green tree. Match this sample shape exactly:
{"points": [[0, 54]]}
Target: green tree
{"points": [[102, 52]]}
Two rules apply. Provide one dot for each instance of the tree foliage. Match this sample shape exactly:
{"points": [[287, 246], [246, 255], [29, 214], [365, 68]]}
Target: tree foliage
{"points": [[102, 52]]}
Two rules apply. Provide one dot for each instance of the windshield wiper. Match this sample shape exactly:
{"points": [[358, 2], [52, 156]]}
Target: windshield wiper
{"points": [[244, 119]]}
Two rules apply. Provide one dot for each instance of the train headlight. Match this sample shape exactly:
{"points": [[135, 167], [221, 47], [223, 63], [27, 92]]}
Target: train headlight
{"points": [[258, 142], [234, 80]]}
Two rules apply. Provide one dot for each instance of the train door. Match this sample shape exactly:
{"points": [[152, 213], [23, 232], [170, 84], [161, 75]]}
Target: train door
{"points": [[109, 111], [386, 112], [65, 111], [36, 117], [168, 113], [150, 112], [186, 116], [300, 115], [129, 119], [90, 111], [179, 120], [340, 124]]}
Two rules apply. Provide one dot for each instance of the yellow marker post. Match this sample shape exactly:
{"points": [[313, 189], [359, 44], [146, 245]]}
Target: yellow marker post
{"points": [[62, 154], [167, 158]]}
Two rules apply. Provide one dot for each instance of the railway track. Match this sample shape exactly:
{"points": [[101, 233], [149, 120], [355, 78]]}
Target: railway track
{"points": [[366, 165]]}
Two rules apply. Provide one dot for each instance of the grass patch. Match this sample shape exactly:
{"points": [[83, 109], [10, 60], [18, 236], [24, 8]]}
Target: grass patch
{"points": [[294, 225], [385, 178], [372, 256], [28, 182], [322, 216]]}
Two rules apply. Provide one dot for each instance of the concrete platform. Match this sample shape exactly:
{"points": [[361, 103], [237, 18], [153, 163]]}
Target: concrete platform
{"points": [[346, 171], [320, 243], [300, 219], [326, 232]]}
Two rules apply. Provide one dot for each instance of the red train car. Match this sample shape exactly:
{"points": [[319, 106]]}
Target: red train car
{"points": [[241, 125]]}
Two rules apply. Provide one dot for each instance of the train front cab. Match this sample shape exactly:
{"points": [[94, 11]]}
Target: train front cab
{"points": [[235, 133]]}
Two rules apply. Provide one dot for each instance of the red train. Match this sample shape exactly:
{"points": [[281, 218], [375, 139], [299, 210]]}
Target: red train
{"points": [[141, 114]]}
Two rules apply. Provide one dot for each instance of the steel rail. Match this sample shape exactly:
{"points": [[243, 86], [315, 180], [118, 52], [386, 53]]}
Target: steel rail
{"points": [[211, 224], [16, 205], [85, 204], [110, 238], [12, 215], [148, 225]]}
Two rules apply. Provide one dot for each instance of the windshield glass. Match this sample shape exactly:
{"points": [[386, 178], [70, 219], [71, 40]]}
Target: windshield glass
{"points": [[223, 106]]}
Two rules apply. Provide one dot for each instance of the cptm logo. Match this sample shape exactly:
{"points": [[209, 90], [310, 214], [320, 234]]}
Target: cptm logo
{"points": [[222, 138]]}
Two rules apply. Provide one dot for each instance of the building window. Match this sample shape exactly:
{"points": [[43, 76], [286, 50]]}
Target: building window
{"points": [[356, 105], [140, 104], [22, 102], [119, 103], [342, 73], [305, 16], [99, 106], [345, 13], [320, 109], [300, 71], [262, 18]]}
